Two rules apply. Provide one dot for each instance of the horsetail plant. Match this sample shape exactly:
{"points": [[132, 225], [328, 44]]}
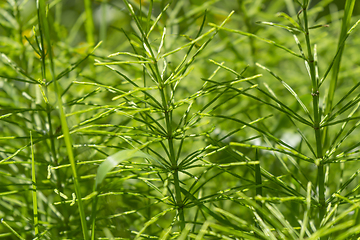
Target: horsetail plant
{"points": [[165, 132], [323, 154], [166, 83]]}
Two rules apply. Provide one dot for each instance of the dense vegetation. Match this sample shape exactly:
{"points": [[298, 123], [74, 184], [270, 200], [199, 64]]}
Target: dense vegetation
{"points": [[179, 119]]}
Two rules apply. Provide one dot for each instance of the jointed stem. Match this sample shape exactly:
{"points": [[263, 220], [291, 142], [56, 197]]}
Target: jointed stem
{"points": [[173, 160], [45, 36], [317, 118]]}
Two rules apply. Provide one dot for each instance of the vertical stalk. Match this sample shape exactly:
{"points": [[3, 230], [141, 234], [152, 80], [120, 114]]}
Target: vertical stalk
{"points": [[33, 177], [103, 23], [51, 132], [23, 62], [348, 10], [93, 216], [168, 122], [317, 117], [250, 28], [349, 6], [48, 105], [258, 182], [357, 215], [89, 28], [44, 25], [167, 114], [89, 23]]}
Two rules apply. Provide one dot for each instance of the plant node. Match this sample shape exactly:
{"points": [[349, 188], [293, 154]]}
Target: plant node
{"points": [[175, 168], [318, 162], [315, 94], [180, 206]]}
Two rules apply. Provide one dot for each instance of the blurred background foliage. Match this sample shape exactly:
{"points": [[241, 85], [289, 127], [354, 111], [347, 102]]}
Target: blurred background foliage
{"points": [[182, 20]]}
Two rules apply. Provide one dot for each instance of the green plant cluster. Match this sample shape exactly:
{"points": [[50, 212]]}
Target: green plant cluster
{"points": [[156, 119]]}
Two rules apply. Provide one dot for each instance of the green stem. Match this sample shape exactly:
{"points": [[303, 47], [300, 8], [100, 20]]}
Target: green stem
{"points": [[250, 28], [43, 24], [89, 28], [33, 177], [173, 160], [23, 62], [321, 185], [349, 7], [357, 215], [179, 201], [103, 24], [93, 216], [258, 179], [258, 182], [317, 118], [89, 23]]}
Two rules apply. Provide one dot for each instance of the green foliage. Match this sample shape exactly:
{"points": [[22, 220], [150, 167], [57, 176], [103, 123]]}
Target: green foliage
{"points": [[179, 120]]}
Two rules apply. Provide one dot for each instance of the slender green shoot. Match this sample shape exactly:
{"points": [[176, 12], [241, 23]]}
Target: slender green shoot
{"points": [[34, 192], [89, 23], [310, 62], [11, 229], [349, 7], [43, 22]]}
